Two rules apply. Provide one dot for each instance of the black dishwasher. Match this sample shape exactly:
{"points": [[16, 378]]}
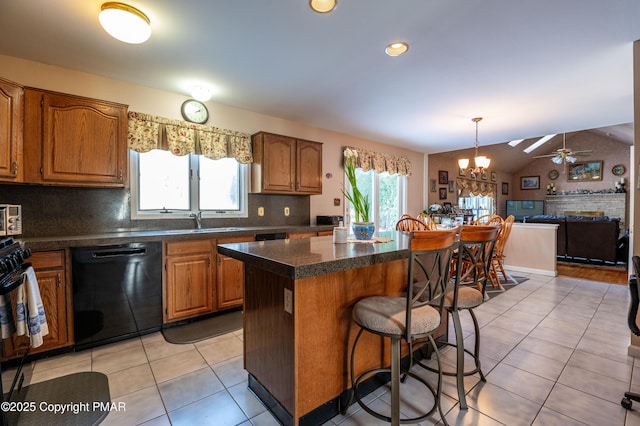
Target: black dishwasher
{"points": [[117, 292]]}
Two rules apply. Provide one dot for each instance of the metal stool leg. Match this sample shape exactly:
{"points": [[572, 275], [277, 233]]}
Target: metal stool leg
{"points": [[457, 326], [395, 382], [476, 353]]}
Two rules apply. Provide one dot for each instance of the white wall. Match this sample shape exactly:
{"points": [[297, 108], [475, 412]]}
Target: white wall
{"points": [[167, 104]]}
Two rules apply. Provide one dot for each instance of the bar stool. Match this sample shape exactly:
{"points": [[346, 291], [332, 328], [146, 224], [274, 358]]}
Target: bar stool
{"points": [[416, 315], [472, 273]]}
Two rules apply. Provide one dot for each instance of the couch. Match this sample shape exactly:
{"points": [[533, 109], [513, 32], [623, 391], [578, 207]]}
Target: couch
{"points": [[584, 237]]}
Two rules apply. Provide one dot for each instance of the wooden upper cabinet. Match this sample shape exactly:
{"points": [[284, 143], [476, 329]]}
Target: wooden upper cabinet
{"points": [[285, 165], [309, 167], [74, 141], [11, 120]]}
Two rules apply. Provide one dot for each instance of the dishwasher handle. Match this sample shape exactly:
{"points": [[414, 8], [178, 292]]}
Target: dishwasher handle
{"points": [[121, 252]]}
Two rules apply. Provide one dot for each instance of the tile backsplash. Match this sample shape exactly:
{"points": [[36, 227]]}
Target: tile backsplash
{"points": [[55, 211]]}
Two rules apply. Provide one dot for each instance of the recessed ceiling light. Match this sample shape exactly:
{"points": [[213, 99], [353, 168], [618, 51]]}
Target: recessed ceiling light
{"points": [[396, 48], [323, 6], [124, 22]]}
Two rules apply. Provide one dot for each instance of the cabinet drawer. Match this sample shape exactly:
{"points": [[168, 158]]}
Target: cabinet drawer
{"points": [[47, 259], [184, 247], [238, 239]]}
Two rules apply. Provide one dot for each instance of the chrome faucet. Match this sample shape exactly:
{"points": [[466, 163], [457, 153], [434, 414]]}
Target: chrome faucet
{"points": [[198, 218]]}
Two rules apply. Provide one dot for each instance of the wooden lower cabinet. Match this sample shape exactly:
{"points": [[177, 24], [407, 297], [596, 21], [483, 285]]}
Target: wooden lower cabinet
{"points": [[56, 299], [230, 276], [188, 279]]}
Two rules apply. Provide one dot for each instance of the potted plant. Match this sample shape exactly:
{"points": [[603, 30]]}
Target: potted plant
{"points": [[363, 229]]}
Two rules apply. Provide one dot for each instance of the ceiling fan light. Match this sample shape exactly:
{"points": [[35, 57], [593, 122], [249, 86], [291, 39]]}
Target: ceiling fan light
{"points": [[124, 22], [463, 163], [557, 160], [571, 159], [323, 6]]}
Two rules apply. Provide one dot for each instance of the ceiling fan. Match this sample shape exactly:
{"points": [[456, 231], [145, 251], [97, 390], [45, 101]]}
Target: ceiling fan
{"points": [[564, 154]]}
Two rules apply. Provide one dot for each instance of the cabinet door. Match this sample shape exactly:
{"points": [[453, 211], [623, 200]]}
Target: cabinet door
{"points": [[309, 167], [11, 118], [83, 141], [189, 289], [230, 276], [53, 292], [278, 166]]}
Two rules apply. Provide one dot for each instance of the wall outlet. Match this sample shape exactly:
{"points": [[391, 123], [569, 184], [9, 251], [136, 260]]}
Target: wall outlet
{"points": [[288, 301], [260, 211], [286, 211]]}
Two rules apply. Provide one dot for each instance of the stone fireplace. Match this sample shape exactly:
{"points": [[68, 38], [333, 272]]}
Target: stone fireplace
{"points": [[607, 204]]}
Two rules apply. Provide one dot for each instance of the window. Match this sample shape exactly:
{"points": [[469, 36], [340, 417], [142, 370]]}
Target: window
{"points": [[479, 204], [166, 186], [387, 195]]}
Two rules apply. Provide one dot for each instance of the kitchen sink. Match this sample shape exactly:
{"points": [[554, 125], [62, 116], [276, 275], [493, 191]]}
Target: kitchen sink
{"points": [[199, 231]]}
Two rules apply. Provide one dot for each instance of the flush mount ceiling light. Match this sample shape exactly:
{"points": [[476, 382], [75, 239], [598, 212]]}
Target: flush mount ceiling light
{"points": [[124, 22], [481, 162], [201, 93], [396, 48], [323, 6]]}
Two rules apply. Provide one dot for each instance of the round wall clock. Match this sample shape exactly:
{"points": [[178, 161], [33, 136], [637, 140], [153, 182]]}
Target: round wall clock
{"points": [[618, 170], [553, 174], [194, 111]]}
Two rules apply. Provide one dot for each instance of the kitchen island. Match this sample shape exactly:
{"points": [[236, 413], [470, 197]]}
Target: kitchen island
{"points": [[298, 296]]}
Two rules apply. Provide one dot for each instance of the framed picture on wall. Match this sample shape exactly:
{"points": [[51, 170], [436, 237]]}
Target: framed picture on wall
{"points": [[505, 188], [493, 176], [443, 177], [432, 185], [585, 171], [443, 194], [452, 186], [530, 182]]}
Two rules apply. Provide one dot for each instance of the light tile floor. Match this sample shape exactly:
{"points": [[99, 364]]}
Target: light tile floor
{"points": [[554, 352]]}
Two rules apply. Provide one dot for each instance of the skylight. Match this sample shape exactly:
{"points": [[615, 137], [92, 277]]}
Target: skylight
{"points": [[516, 142], [540, 142]]}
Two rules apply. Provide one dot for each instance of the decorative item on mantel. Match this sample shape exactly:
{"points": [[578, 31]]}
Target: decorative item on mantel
{"points": [[551, 189], [362, 228], [620, 186]]}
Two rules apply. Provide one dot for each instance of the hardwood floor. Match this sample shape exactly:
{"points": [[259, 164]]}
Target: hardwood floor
{"points": [[607, 274]]}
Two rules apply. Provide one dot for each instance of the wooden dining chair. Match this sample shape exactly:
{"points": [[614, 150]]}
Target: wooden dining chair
{"points": [[428, 220], [408, 223], [498, 253], [489, 219]]}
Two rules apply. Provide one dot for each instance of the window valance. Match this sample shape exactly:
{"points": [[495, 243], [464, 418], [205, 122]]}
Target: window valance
{"points": [[468, 187], [147, 132], [381, 162]]}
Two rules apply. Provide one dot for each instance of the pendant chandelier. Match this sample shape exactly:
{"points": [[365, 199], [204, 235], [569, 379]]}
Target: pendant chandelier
{"points": [[481, 162]]}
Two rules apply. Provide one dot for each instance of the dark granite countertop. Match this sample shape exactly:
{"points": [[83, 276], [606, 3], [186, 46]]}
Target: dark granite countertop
{"points": [[308, 257], [112, 238]]}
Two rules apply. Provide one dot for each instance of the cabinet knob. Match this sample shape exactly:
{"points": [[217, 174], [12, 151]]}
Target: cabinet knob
{"points": [[15, 167]]}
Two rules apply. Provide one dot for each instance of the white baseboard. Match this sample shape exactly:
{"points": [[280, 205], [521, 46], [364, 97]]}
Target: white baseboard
{"points": [[545, 272]]}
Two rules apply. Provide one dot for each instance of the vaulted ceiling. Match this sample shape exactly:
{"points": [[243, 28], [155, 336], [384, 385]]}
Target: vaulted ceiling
{"points": [[529, 68]]}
